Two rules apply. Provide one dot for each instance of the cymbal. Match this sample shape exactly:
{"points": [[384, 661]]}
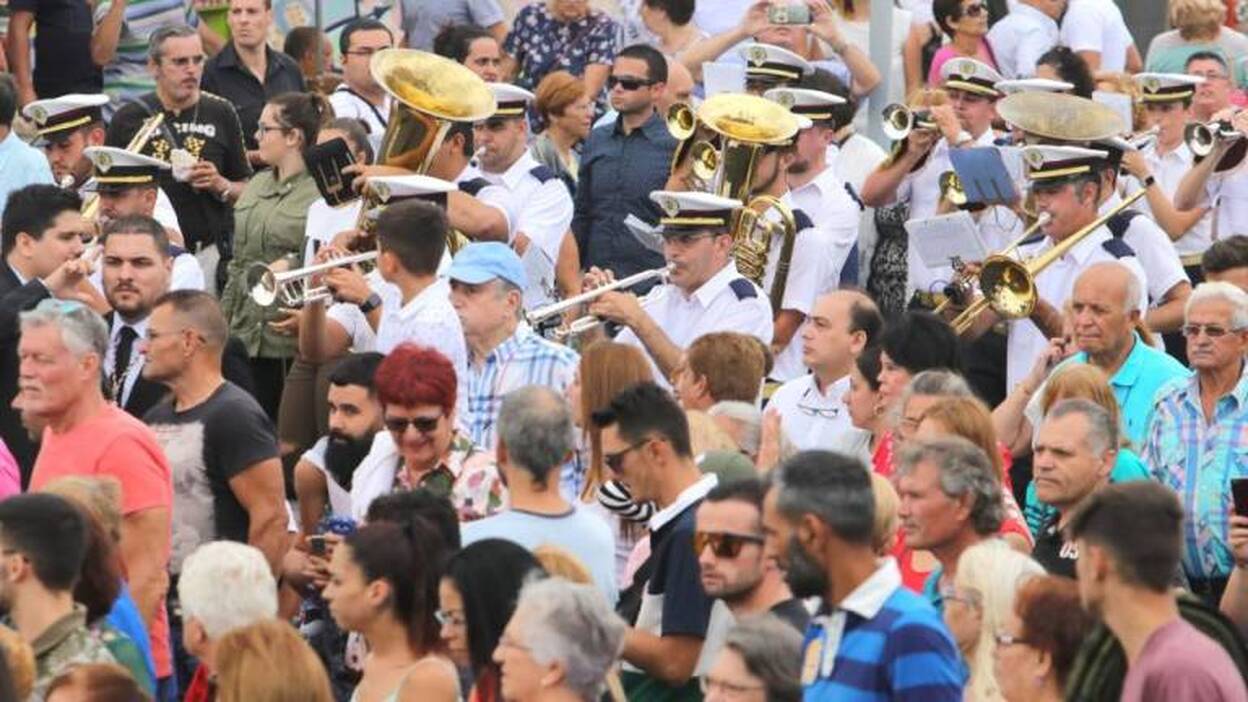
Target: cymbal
{"points": [[1061, 117]]}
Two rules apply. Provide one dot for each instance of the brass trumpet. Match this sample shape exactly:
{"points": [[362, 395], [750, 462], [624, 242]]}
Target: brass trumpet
{"points": [[540, 316], [1009, 286], [900, 120], [291, 288]]}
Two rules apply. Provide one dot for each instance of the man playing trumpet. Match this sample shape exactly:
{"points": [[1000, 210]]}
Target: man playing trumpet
{"points": [[703, 293]]}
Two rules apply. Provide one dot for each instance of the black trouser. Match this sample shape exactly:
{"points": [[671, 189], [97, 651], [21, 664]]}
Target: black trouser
{"points": [[270, 376]]}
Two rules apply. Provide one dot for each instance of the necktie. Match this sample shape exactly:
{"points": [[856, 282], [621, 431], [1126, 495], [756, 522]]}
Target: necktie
{"points": [[121, 360]]}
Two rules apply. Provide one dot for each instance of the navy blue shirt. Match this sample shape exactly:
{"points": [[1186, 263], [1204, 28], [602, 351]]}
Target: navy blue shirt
{"points": [[616, 176], [226, 76]]}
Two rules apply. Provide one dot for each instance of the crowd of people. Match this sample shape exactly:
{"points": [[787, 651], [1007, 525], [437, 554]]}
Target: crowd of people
{"points": [[562, 351]]}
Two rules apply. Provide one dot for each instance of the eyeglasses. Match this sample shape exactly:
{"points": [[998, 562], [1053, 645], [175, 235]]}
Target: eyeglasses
{"points": [[422, 425], [615, 460], [627, 82], [262, 129], [1004, 639], [973, 9], [1210, 75], [726, 688], [1213, 331], [446, 618], [184, 61], [813, 411], [723, 544], [970, 599]]}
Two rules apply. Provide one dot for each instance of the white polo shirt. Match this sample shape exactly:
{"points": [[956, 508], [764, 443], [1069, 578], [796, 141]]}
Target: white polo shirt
{"points": [[1097, 25], [1020, 38], [728, 301], [833, 210], [347, 103], [1169, 169], [813, 419], [1055, 285], [1153, 249]]}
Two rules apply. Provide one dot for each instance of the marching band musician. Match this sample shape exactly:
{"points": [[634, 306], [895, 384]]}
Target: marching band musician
{"points": [[704, 293], [1066, 183], [127, 185], [913, 176], [1160, 164], [65, 128], [541, 214], [1220, 180], [768, 66]]}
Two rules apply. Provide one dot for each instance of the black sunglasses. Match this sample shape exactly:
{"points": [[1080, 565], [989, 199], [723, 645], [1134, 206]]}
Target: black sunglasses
{"points": [[615, 460], [723, 544], [627, 82], [423, 425]]}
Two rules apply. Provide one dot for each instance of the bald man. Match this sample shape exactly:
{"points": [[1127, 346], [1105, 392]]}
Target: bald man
{"points": [[812, 407], [1104, 312], [679, 86]]}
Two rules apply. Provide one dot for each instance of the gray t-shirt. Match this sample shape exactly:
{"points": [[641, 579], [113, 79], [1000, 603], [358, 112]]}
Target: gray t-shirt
{"points": [[423, 19]]}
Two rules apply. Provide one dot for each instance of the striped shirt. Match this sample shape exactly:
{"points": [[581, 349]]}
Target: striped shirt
{"points": [[882, 642], [1198, 459], [126, 76], [523, 359]]}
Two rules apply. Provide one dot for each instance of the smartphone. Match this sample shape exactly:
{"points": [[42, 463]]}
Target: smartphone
{"points": [[1239, 490], [788, 14], [316, 546]]}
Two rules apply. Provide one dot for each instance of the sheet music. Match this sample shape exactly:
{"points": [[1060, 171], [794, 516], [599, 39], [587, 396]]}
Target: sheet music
{"points": [[984, 175], [942, 238], [720, 77]]}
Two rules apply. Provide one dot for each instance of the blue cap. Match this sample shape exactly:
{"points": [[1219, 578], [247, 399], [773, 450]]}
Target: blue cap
{"points": [[484, 261]]}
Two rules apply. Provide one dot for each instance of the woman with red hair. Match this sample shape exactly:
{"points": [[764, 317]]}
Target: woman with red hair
{"points": [[421, 446]]}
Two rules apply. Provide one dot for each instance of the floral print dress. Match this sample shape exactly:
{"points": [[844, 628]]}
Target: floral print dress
{"points": [[541, 44]]}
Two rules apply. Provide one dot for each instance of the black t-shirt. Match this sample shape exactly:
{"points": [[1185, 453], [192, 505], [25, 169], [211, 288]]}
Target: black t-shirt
{"points": [[1054, 552], [208, 445], [62, 47], [209, 131], [793, 612]]}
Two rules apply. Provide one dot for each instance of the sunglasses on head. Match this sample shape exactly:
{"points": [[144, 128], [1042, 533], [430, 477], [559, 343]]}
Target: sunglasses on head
{"points": [[423, 425], [723, 544], [627, 82]]}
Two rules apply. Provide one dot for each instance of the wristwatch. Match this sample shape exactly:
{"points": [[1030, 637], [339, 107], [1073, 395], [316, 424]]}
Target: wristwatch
{"points": [[372, 303], [1149, 182]]}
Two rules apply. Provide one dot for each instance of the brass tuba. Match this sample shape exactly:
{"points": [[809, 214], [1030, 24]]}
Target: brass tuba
{"points": [[695, 147], [744, 126]]}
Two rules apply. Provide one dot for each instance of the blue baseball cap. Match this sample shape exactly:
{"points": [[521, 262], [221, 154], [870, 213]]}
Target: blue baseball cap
{"points": [[484, 261]]}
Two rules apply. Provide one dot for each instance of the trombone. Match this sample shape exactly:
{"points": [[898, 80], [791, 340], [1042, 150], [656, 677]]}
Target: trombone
{"points": [[291, 288], [537, 317], [963, 284], [1009, 286]]}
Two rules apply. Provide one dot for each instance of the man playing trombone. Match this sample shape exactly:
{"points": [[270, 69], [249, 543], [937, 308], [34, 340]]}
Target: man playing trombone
{"points": [[703, 293], [1066, 183]]}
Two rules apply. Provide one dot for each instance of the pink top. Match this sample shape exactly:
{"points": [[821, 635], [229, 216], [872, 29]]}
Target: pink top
{"points": [[1178, 662], [946, 52], [10, 474], [114, 443]]}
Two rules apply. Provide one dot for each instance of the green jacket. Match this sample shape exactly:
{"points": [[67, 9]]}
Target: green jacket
{"points": [[269, 221]]}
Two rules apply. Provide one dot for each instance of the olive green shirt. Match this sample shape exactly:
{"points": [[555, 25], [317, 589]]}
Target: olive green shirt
{"points": [[269, 221]]}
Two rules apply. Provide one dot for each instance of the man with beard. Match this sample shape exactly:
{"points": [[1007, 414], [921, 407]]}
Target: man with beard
{"points": [[734, 569], [323, 474], [645, 443], [622, 163], [818, 520]]}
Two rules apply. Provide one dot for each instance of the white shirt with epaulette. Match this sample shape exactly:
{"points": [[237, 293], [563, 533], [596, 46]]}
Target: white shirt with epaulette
{"points": [[1169, 170], [1153, 249]]}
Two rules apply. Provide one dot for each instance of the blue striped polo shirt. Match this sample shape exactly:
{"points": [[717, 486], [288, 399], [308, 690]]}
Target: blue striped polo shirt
{"points": [[882, 642]]}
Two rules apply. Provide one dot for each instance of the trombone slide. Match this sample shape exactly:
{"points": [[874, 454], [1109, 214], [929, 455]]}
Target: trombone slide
{"points": [[541, 314]]}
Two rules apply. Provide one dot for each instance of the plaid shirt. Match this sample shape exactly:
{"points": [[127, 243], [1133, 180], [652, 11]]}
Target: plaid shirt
{"points": [[523, 359], [1197, 459]]}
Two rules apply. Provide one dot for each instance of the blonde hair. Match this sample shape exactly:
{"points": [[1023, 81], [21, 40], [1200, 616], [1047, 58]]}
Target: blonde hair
{"points": [[705, 434], [994, 570], [247, 658], [969, 418], [99, 495], [559, 563], [1196, 18], [884, 530], [1085, 381]]}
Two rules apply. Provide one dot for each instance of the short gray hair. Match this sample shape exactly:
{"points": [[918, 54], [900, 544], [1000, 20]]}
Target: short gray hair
{"points": [[834, 487], [82, 330], [572, 624], [536, 425], [227, 585], [748, 417], [156, 44], [1102, 433], [772, 652], [964, 470], [1223, 292]]}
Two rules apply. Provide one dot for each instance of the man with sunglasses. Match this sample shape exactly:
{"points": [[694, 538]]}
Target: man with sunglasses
{"points": [[540, 206], [1197, 432], [199, 129], [622, 163], [912, 175], [728, 544], [645, 444], [703, 293]]}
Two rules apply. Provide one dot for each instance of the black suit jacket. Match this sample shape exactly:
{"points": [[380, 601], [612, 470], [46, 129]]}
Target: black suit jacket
{"points": [[14, 299]]}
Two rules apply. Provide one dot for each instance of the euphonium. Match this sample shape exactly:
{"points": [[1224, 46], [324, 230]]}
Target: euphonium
{"points": [[694, 144], [752, 243]]}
